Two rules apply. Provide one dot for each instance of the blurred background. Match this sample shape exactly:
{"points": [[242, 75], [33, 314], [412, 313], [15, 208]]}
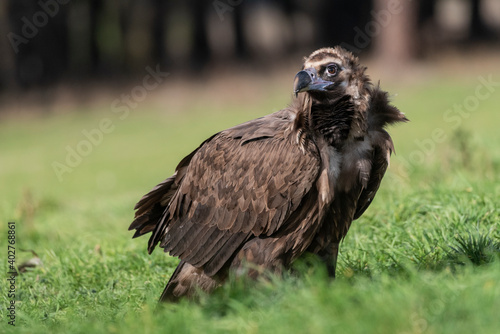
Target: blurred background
{"points": [[78, 42]]}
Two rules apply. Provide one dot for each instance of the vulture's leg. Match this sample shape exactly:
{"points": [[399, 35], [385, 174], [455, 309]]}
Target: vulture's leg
{"points": [[329, 256]]}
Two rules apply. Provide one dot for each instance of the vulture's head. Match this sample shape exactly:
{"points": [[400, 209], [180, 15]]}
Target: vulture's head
{"points": [[329, 73]]}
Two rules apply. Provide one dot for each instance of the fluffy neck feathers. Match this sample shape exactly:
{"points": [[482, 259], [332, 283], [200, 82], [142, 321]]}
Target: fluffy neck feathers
{"points": [[344, 116], [335, 117]]}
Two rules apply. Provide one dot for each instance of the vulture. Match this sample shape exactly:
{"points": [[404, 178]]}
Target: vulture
{"points": [[255, 197]]}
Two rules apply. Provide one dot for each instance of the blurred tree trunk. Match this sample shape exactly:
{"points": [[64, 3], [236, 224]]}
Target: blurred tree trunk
{"points": [[241, 48], [426, 10], [288, 8], [477, 27], [338, 22], [479, 30], [7, 73], [428, 40], [200, 52], [42, 57], [158, 32], [396, 40], [95, 59]]}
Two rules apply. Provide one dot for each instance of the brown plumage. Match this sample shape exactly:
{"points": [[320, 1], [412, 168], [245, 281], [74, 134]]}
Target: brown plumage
{"points": [[257, 196]]}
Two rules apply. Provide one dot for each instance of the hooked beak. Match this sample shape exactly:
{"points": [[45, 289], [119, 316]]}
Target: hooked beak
{"points": [[308, 80]]}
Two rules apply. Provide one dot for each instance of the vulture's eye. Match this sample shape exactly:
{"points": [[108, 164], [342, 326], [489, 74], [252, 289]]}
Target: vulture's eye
{"points": [[332, 70]]}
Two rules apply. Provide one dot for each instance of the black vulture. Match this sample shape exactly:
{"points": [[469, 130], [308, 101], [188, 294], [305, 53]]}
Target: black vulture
{"points": [[255, 197]]}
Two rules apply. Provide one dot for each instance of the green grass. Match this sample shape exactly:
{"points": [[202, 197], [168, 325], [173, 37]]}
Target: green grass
{"points": [[406, 266]]}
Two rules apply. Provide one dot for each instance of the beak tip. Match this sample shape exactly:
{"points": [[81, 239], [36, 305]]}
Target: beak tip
{"points": [[307, 80]]}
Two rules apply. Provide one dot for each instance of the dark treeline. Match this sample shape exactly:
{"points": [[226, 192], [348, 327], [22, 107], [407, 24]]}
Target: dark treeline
{"points": [[46, 41]]}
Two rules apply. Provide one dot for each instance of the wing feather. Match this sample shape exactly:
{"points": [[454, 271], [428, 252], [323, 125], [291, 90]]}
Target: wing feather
{"points": [[242, 183], [202, 255], [382, 149], [227, 251]]}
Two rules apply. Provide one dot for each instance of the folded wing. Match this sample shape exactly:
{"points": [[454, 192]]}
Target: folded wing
{"points": [[241, 184]]}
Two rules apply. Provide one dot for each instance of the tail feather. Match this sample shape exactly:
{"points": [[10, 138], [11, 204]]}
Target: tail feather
{"points": [[151, 207], [186, 281], [168, 292], [147, 222]]}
